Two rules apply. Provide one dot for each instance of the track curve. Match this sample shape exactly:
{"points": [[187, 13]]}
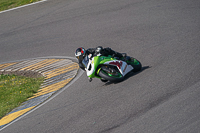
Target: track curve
{"points": [[163, 35]]}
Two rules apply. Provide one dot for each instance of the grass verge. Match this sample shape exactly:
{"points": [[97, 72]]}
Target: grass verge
{"points": [[8, 4], [15, 90]]}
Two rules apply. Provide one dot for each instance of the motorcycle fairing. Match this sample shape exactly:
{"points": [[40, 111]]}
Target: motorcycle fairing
{"points": [[91, 66], [123, 67]]}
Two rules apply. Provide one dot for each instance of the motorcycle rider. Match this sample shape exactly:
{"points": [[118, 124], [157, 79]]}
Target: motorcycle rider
{"points": [[81, 53]]}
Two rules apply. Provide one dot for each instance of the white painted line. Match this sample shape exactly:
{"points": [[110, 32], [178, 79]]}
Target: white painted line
{"points": [[23, 6], [79, 73], [74, 74]]}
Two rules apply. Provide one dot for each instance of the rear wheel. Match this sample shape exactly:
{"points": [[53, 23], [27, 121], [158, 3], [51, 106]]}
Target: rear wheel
{"points": [[113, 76], [135, 64], [137, 67]]}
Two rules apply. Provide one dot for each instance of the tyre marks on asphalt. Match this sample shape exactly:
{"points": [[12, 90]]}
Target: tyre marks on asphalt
{"points": [[58, 73]]}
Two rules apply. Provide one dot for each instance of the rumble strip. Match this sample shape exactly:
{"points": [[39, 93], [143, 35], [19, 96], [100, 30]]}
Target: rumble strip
{"points": [[58, 72]]}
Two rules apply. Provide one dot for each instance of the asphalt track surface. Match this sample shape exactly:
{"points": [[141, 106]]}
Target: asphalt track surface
{"points": [[163, 35]]}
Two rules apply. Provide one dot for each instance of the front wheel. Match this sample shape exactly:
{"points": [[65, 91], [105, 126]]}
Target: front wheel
{"points": [[111, 76]]}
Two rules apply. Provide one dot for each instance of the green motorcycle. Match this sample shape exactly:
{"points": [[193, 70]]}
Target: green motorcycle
{"points": [[108, 68]]}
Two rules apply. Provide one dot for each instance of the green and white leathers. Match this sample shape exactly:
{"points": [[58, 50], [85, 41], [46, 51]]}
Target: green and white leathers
{"points": [[108, 68]]}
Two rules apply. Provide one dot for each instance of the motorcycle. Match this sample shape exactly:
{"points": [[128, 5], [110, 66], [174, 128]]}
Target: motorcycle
{"points": [[108, 68]]}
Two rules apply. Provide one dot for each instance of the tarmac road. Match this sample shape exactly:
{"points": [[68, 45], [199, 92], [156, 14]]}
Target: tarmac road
{"points": [[163, 35]]}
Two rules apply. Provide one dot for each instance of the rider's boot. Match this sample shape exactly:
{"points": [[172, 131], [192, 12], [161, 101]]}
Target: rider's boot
{"points": [[90, 79]]}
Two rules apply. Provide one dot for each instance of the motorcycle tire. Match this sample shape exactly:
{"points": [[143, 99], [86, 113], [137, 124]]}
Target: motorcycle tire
{"points": [[137, 67], [117, 78], [103, 80]]}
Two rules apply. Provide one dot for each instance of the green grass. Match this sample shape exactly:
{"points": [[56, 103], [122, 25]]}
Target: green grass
{"points": [[15, 90], [8, 4]]}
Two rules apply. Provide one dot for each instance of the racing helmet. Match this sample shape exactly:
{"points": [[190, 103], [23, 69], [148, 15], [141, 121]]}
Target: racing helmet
{"points": [[80, 53]]}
